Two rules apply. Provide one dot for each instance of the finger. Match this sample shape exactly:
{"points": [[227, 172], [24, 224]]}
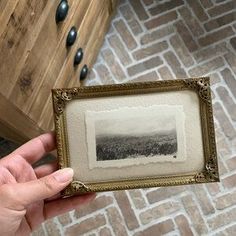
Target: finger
{"points": [[61, 206], [6, 176], [33, 150], [40, 189], [53, 197], [46, 169]]}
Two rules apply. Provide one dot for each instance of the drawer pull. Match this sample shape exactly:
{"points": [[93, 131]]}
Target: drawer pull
{"points": [[84, 72], [62, 11], [71, 37], [78, 56]]}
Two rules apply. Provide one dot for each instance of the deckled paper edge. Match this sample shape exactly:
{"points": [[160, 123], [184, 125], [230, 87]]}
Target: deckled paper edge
{"points": [[92, 116]]}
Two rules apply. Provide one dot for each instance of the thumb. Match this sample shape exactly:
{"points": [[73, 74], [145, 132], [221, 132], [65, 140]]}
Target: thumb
{"points": [[43, 188]]}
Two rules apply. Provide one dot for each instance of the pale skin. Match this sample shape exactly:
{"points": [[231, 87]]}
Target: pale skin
{"points": [[30, 196]]}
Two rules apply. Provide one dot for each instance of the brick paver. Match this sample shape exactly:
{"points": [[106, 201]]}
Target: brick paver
{"points": [[152, 40]]}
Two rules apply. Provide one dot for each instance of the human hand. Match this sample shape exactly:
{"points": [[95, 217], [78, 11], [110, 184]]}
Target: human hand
{"points": [[25, 192]]}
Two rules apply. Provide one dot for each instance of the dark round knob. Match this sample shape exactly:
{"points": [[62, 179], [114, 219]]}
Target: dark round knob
{"points": [[62, 11], [71, 37], [84, 72], [78, 56]]}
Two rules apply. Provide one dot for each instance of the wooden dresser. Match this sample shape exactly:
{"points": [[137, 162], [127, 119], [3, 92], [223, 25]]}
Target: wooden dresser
{"points": [[44, 44]]}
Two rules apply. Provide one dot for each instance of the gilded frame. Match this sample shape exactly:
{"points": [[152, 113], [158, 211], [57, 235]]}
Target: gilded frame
{"points": [[200, 85]]}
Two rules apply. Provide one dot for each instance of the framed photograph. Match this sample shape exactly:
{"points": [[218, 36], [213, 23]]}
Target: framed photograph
{"points": [[136, 135]]}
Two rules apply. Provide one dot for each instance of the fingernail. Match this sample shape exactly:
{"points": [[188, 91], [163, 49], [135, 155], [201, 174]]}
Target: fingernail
{"points": [[64, 175]]}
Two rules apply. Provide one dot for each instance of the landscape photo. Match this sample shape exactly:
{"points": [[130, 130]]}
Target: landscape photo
{"points": [[136, 137]]}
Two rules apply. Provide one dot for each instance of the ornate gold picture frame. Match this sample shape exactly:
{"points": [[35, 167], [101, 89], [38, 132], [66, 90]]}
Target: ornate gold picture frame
{"points": [[136, 135]]}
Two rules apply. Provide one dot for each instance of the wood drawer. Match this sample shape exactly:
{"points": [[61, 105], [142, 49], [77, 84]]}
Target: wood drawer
{"points": [[34, 57], [90, 42], [63, 63], [49, 41], [15, 40]]}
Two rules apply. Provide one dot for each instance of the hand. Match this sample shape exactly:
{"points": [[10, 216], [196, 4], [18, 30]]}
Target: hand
{"points": [[25, 192]]}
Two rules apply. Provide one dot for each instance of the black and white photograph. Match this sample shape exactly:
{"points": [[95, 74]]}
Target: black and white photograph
{"points": [[136, 137]]}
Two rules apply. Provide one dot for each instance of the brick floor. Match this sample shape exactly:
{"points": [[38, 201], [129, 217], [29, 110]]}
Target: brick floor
{"points": [[152, 40]]}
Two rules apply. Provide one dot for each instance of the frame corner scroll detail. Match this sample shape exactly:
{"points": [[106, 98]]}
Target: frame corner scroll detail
{"points": [[76, 187], [210, 173], [61, 97], [202, 86], [212, 169], [79, 187]]}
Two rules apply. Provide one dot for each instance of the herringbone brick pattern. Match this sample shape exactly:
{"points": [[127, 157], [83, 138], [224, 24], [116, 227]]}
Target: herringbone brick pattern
{"points": [[153, 40]]}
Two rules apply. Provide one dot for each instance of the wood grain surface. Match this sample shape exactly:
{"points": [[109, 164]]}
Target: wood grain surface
{"points": [[34, 58]]}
